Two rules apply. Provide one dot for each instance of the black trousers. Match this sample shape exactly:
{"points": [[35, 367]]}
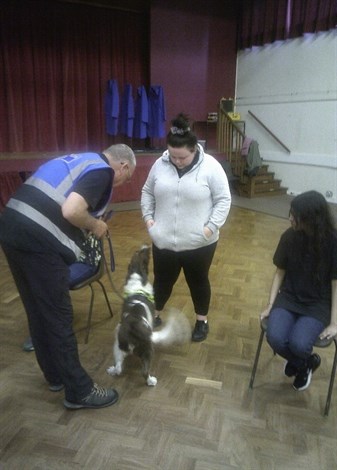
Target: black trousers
{"points": [[42, 280], [195, 265]]}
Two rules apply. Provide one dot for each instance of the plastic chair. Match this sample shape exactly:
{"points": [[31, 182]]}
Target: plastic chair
{"points": [[82, 275], [319, 344]]}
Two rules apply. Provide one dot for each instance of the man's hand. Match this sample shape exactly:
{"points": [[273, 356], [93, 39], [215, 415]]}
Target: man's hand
{"points": [[75, 210], [101, 228]]}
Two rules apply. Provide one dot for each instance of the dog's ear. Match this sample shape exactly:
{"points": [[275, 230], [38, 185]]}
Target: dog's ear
{"points": [[133, 265], [130, 270], [144, 255]]}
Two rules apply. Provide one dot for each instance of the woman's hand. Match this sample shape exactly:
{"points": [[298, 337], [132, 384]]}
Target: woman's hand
{"points": [[149, 223], [266, 312], [329, 332], [208, 232]]}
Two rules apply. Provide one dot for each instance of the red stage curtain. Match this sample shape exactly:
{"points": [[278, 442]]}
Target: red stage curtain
{"points": [[261, 22], [312, 16], [56, 59], [265, 21], [9, 182]]}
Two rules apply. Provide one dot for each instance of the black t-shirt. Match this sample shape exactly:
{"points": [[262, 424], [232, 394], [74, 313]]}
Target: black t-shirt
{"points": [[94, 187], [304, 291]]}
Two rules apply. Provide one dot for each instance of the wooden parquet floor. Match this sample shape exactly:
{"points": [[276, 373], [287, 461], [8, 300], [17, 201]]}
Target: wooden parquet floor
{"points": [[201, 415]]}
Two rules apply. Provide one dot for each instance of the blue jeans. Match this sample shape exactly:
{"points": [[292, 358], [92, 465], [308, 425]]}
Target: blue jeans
{"points": [[292, 336]]}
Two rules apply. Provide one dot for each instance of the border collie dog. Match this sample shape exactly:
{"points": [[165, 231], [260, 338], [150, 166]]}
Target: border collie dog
{"points": [[134, 333]]}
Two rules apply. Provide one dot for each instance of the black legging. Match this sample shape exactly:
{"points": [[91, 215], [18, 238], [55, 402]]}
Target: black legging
{"points": [[195, 264]]}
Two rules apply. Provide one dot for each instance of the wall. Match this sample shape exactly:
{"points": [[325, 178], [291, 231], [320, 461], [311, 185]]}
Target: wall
{"points": [[292, 88], [193, 54]]}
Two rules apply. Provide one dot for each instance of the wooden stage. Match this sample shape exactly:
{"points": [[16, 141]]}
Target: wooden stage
{"points": [[12, 164]]}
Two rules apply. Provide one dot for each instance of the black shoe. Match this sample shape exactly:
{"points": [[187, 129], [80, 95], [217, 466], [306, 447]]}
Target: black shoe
{"points": [[290, 370], [314, 362], [99, 397], [200, 331], [303, 377], [157, 321], [56, 387]]}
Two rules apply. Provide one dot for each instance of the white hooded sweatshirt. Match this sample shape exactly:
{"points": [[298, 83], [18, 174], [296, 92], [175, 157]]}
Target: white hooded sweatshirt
{"points": [[182, 206]]}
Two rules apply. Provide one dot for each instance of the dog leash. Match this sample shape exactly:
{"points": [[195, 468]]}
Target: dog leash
{"points": [[110, 269]]}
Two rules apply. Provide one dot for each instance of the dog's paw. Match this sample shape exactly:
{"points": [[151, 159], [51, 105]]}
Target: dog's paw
{"points": [[151, 381], [114, 370]]}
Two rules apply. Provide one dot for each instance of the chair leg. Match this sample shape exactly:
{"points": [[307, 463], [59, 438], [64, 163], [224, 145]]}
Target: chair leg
{"points": [[332, 379], [106, 297], [257, 355], [91, 308], [89, 314]]}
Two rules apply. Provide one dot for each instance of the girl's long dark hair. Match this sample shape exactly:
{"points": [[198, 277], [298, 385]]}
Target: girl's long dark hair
{"points": [[313, 217]]}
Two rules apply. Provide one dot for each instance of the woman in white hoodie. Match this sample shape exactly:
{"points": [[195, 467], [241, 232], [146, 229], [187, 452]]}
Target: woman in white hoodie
{"points": [[185, 200]]}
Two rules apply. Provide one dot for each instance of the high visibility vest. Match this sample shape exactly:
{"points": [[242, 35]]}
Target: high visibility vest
{"points": [[40, 198]]}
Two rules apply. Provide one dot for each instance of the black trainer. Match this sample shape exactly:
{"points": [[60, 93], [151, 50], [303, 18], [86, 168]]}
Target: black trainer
{"points": [[290, 370], [99, 397], [200, 331], [303, 377], [314, 362]]}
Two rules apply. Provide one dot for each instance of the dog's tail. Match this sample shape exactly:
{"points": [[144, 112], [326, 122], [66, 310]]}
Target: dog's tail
{"points": [[176, 330]]}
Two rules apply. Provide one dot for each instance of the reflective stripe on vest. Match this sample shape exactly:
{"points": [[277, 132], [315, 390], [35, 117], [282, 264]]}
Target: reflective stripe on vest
{"points": [[57, 177], [40, 219]]}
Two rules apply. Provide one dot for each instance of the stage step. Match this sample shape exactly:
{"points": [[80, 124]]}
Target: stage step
{"points": [[263, 184]]}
